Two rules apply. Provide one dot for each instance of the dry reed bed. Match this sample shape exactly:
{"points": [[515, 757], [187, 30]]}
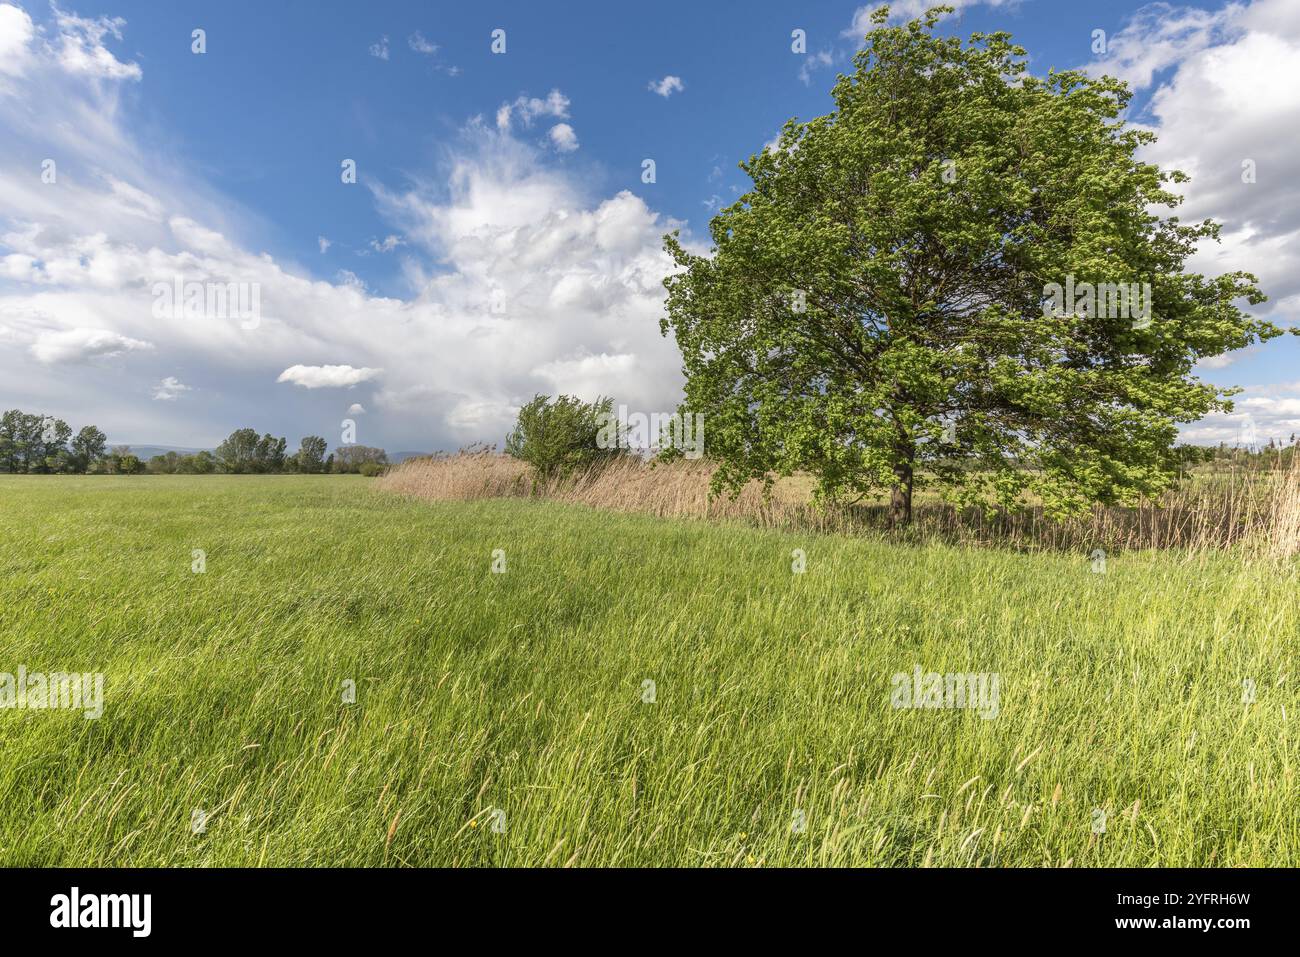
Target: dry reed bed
{"points": [[1258, 510]]}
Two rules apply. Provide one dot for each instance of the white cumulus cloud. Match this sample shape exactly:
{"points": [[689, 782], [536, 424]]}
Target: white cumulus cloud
{"points": [[79, 345], [667, 86], [326, 377], [169, 389], [16, 31], [563, 137], [82, 47], [902, 10], [419, 44], [526, 109]]}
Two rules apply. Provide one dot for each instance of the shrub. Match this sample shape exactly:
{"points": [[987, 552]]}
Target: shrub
{"points": [[559, 437], [350, 458], [130, 465]]}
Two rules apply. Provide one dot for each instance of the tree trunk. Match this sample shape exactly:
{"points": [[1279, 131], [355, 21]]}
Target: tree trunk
{"points": [[900, 497]]}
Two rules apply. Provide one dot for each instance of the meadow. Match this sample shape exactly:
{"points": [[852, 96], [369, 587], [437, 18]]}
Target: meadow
{"points": [[622, 689]]}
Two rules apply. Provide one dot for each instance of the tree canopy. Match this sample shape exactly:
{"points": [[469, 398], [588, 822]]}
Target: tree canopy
{"points": [[884, 308], [43, 444]]}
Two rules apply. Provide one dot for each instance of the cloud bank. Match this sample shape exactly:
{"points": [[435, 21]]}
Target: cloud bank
{"points": [[520, 282]]}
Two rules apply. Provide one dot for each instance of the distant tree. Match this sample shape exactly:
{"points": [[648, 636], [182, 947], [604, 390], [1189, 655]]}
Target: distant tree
{"points": [[559, 437], [243, 451], [1190, 456], [269, 455], [113, 460], [311, 454], [31, 447], [9, 441], [87, 448], [200, 463], [50, 446], [350, 458], [238, 453], [884, 307], [168, 463], [130, 465]]}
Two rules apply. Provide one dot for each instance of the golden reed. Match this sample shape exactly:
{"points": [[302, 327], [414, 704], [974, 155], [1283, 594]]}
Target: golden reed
{"points": [[1253, 508]]}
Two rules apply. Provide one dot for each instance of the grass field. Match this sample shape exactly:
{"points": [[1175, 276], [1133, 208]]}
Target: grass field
{"points": [[500, 719]]}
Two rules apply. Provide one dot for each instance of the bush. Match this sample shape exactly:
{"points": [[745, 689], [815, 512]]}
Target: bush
{"points": [[350, 458], [561, 437], [370, 469]]}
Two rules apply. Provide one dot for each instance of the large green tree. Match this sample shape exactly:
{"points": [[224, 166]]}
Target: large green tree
{"points": [[269, 456], [238, 453], [31, 442], [243, 451], [879, 307]]}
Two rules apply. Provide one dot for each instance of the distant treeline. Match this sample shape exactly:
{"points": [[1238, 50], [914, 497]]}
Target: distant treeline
{"points": [[1268, 456], [44, 445]]}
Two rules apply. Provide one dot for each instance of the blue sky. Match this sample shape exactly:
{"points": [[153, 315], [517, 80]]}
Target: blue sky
{"points": [[378, 296], [284, 89]]}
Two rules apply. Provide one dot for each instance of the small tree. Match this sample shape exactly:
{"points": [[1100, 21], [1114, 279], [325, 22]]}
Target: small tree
{"points": [[168, 463], [884, 306], [559, 437], [311, 454], [87, 448], [113, 459]]}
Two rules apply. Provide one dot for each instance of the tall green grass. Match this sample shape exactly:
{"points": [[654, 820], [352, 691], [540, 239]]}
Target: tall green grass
{"points": [[523, 692]]}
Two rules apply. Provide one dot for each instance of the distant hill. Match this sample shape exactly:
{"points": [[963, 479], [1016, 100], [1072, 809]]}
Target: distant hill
{"points": [[146, 452]]}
